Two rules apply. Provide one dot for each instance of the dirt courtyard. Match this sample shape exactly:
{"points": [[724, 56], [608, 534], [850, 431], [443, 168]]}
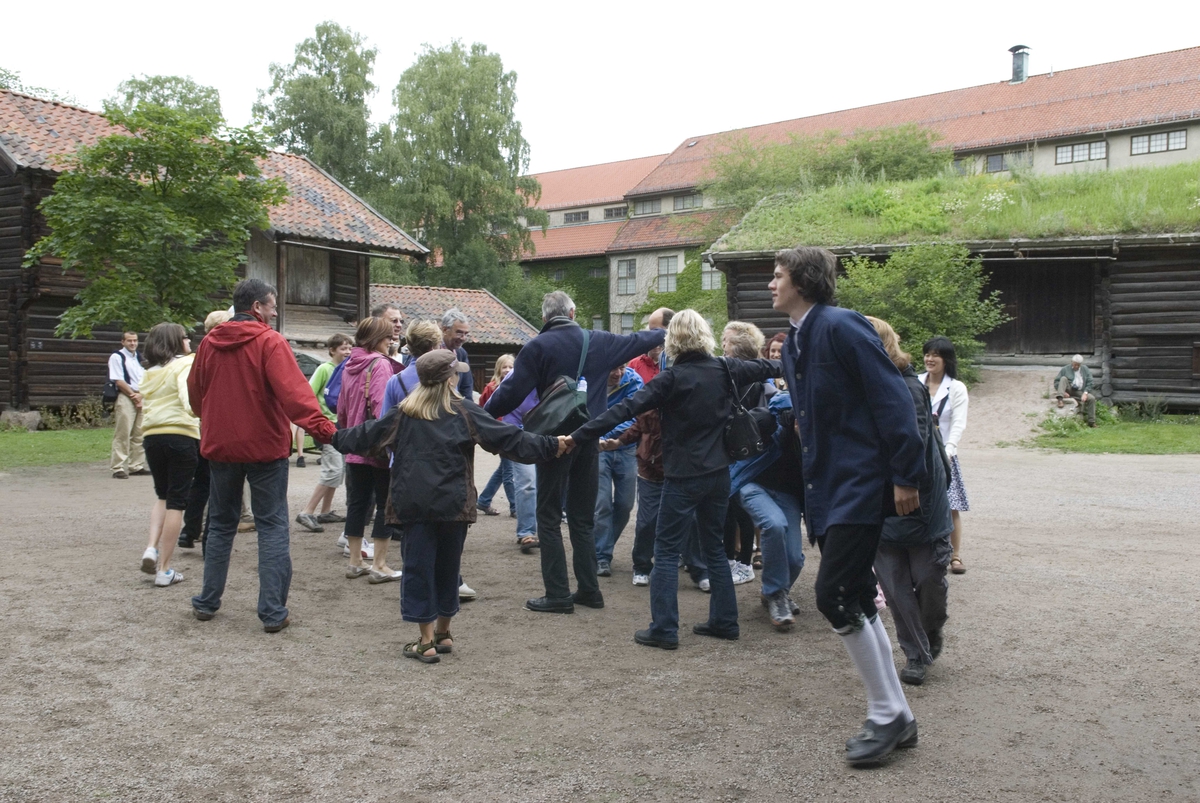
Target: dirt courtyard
{"points": [[1069, 672]]}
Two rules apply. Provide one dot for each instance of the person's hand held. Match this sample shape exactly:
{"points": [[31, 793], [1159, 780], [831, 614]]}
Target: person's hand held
{"points": [[907, 498], [951, 450]]}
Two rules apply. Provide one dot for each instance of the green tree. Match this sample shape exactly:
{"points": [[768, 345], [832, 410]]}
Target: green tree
{"points": [[455, 158], [157, 218], [317, 105], [171, 91], [924, 291], [11, 79]]}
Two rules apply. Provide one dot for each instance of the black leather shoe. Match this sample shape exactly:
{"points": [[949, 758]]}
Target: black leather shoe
{"points": [[644, 637], [550, 605], [914, 673], [875, 742], [588, 600], [936, 642], [704, 629], [185, 543]]}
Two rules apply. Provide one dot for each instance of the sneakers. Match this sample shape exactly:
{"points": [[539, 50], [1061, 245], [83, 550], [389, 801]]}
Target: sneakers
{"points": [[792, 606], [150, 560], [353, 572], [641, 579], [488, 510], [377, 576], [741, 573], [368, 548], [343, 543], [466, 593], [309, 522], [704, 586], [332, 517], [603, 568], [936, 642], [300, 461], [168, 578], [779, 611], [914, 673]]}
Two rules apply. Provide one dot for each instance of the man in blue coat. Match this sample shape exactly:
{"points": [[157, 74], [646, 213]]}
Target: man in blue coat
{"points": [[862, 460], [553, 353]]}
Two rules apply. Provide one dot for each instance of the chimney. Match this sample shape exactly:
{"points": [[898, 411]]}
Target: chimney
{"points": [[1020, 64]]}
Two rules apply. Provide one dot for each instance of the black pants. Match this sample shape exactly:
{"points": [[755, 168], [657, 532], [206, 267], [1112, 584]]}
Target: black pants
{"points": [[577, 474], [738, 520], [172, 460], [432, 555], [366, 485], [193, 514], [846, 580]]}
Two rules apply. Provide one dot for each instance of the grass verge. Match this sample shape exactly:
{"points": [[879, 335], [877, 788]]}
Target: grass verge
{"points": [[19, 448], [1173, 434]]}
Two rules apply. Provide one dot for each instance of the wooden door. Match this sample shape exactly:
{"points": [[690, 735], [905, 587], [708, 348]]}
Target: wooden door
{"points": [[1051, 304], [307, 276]]}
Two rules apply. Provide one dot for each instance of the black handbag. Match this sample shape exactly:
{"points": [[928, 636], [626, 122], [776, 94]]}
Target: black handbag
{"points": [[742, 437], [563, 408]]}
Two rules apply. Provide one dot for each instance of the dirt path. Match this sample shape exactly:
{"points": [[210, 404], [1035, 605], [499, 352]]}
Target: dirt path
{"points": [[1069, 673]]}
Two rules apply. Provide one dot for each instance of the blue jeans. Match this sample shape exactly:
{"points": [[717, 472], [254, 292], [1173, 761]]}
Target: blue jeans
{"points": [[432, 552], [697, 503], [777, 515], [502, 474], [649, 496], [268, 502], [614, 498], [524, 478]]}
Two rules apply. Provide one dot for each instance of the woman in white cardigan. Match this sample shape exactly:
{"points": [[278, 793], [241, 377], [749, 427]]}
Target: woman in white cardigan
{"points": [[949, 399]]}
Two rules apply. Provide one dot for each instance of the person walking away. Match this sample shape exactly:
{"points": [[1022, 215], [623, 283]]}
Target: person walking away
{"points": [[860, 453], [503, 473], [456, 330], [125, 369], [1074, 381], [433, 489], [172, 441], [333, 468], [617, 475], [695, 398], [195, 523], [555, 352], [364, 381], [246, 387], [950, 403]]}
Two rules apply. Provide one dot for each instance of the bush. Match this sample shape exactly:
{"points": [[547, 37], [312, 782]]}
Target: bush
{"points": [[1152, 409], [87, 414]]}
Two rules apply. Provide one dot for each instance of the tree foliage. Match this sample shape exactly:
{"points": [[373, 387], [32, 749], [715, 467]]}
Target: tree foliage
{"points": [[11, 79], [747, 171], [156, 219], [689, 294], [170, 91], [455, 158], [925, 291], [317, 105]]}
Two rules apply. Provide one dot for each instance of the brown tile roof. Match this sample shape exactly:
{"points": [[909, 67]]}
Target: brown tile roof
{"points": [[39, 134], [492, 321], [683, 229], [1160, 88], [593, 185], [591, 239]]}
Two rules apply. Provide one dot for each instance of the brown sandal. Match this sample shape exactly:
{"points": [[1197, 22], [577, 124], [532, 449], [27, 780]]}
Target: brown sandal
{"points": [[441, 648], [956, 566], [415, 649], [529, 543]]}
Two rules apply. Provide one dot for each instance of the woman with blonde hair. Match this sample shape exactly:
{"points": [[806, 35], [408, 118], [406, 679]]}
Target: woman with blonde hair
{"points": [[696, 397], [433, 489]]}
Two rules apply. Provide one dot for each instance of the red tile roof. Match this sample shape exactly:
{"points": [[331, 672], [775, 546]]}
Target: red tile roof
{"points": [[593, 185], [39, 134], [591, 239], [492, 321], [1160, 88], [678, 230]]}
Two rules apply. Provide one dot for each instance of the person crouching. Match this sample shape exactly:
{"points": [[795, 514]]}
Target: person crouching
{"points": [[433, 489]]}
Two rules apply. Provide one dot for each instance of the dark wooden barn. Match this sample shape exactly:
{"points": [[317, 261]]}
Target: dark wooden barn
{"points": [[316, 253], [1129, 304]]}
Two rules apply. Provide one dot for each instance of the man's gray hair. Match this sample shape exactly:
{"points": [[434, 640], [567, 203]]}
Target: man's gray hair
{"points": [[378, 310], [557, 305], [452, 316], [1078, 359]]}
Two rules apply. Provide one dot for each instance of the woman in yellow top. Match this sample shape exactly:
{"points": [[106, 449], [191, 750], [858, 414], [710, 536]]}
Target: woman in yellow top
{"points": [[172, 442]]}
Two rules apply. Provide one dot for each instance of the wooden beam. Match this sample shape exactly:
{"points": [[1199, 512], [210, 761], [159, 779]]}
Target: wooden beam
{"points": [[280, 283], [364, 286]]}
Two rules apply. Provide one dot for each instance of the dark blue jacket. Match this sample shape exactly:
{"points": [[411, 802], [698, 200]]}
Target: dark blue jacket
{"points": [[466, 380], [858, 429], [555, 352]]}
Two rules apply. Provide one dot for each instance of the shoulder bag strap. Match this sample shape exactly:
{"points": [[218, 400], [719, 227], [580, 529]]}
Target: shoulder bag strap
{"points": [[942, 406], [367, 389], [124, 367], [583, 355], [737, 402]]}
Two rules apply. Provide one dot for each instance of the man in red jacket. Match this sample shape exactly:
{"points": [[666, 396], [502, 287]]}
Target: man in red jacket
{"points": [[245, 386]]}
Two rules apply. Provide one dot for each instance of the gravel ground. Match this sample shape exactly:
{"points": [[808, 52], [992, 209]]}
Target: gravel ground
{"points": [[110, 689]]}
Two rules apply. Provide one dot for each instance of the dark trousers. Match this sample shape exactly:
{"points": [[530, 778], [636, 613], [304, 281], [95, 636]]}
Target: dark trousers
{"points": [[432, 552], [576, 474], [914, 579], [195, 526], [737, 521], [366, 485], [172, 460], [846, 579], [649, 496]]}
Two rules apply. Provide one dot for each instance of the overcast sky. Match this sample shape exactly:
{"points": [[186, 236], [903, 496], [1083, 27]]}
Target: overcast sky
{"points": [[599, 82]]}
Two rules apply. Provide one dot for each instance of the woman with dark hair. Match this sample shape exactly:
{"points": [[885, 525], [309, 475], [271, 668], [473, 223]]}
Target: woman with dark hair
{"points": [[949, 401], [774, 351], [172, 442]]}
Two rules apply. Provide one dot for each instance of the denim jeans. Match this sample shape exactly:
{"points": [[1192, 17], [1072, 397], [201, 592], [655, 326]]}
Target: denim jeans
{"points": [[777, 514], [614, 498], [502, 474], [524, 478], [702, 500], [268, 502], [649, 496], [432, 553], [574, 475]]}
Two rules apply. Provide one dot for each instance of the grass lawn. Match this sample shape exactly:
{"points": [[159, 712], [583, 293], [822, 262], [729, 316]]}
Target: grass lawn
{"points": [[20, 448], [1172, 435]]}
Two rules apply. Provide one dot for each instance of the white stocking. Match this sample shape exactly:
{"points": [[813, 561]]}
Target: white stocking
{"points": [[883, 704]]}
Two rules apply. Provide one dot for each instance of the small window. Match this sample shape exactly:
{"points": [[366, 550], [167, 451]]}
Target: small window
{"points": [[687, 201], [962, 165], [995, 163], [1157, 143], [626, 277], [598, 273], [1177, 140], [597, 322], [668, 267], [615, 212], [710, 277], [626, 324], [560, 274], [648, 207], [1084, 152], [575, 217]]}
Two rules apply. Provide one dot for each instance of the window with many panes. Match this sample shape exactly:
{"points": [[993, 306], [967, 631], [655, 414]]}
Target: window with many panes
{"points": [[710, 277], [1157, 143], [1083, 152], [687, 201], [597, 322], [626, 324], [559, 275], [648, 207], [575, 217], [597, 273], [615, 212], [626, 277], [668, 267]]}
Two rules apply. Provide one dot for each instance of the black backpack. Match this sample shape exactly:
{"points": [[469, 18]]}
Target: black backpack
{"points": [[110, 392], [743, 439]]}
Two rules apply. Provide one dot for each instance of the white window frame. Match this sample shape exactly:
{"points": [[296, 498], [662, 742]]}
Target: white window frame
{"points": [[651, 207], [575, 217], [1158, 142], [626, 277], [710, 277], [616, 213], [626, 323], [668, 269], [692, 201]]}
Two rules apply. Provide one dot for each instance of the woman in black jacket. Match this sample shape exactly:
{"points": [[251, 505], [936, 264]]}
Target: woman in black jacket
{"points": [[696, 401], [433, 488]]}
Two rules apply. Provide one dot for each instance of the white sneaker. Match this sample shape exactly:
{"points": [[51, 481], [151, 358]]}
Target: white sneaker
{"points": [[168, 578], [741, 572], [368, 550], [704, 585], [641, 579], [342, 542], [150, 560], [465, 592]]}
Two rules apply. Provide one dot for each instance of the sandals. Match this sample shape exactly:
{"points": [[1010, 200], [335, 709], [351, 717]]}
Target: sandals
{"points": [[416, 649], [441, 648], [756, 560], [956, 566], [528, 544]]}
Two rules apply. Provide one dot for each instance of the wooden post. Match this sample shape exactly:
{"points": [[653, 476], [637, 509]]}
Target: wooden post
{"points": [[280, 284], [364, 286]]}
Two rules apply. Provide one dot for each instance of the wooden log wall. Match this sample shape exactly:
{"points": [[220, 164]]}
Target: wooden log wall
{"points": [[343, 298], [12, 251], [749, 299]]}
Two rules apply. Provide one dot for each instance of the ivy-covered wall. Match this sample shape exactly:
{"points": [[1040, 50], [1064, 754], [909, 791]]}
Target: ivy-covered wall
{"points": [[590, 294], [688, 295]]}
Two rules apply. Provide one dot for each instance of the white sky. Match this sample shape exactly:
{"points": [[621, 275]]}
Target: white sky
{"points": [[598, 81]]}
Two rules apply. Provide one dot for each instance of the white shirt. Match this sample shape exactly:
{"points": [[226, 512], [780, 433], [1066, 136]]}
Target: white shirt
{"points": [[1078, 383], [953, 420], [117, 370]]}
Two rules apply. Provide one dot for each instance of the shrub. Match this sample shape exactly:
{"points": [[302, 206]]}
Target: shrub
{"points": [[87, 414]]}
